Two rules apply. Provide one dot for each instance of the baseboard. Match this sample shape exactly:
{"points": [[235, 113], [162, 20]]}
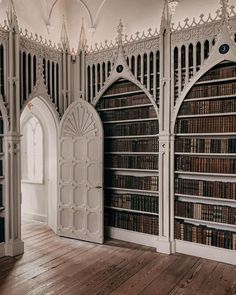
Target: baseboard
{"points": [[164, 246], [131, 236], [2, 249], [14, 248], [205, 251], [35, 217]]}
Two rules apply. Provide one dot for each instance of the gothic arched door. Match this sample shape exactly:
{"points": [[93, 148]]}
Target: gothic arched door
{"points": [[80, 203]]}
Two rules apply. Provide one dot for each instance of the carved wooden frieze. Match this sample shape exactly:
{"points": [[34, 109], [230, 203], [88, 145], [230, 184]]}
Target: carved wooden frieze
{"points": [[132, 48], [40, 49]]}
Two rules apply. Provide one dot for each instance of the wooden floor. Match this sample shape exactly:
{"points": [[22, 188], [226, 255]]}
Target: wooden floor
{"points": [[54, 265]]}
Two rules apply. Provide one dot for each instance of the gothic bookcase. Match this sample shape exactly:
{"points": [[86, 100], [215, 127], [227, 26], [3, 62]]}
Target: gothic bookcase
{"points": [[131, 163], [205, 163]]}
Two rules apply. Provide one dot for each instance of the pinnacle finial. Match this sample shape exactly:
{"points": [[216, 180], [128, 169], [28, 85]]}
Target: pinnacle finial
{"points": [[224, 11], [40, 67], [64, 35], [120, 34], [82, 39], [11, 14]]}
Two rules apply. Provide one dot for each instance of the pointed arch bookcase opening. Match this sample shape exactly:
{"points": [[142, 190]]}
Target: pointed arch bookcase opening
{"points": [[205, 165], [131, 145]]}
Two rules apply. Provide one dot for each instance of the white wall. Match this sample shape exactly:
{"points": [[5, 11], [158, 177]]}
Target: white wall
{"points": [[33, 15], [39, 201]]}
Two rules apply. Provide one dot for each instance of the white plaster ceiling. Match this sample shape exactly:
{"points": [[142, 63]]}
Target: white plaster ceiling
{"points": [[100, 17]]}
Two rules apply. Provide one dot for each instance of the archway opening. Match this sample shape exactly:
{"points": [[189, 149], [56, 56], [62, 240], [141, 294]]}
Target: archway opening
{"points": [[39, 163]]}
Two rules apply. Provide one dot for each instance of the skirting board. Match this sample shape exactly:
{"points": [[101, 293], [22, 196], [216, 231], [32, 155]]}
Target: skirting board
{"points": [[132, 237], [2, 250], [205, 251], [34, 216]]}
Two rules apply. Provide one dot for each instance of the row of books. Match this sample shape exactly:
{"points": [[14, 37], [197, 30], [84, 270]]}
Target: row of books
{"points": [[216, 89], [127, 100], [122, 87], [205, 235], [214, 189], [215, 213], [149, 183], [143, 223], [205, 145], [1, 126], [2, 229], [208, 106], [132, 161], [227, 71], [211, 165], [127, 129], [216, 124], [1, 144], [132, 201], [1, 167], [132, 145], [136, 113], [1, 196]]}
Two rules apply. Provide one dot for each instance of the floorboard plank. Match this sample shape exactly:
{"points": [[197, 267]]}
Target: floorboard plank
{"points": [[56, 265]]}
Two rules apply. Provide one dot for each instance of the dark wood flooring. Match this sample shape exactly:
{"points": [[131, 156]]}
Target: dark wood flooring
{"points": [[54, 265]]}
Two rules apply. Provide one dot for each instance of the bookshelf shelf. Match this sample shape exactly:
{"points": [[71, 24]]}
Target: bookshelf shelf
{"points": [[126, 107], [209, 200], [207, 154], [205, 165], [2, 208], [218, 225], [131, 170], [123, 94], [131, 210], [134, 191], [211, 97], [132, 136], [128, 121], [203, 135], [206, 174], [207, 115], [216, 81], [131, 153], [131, 140]]}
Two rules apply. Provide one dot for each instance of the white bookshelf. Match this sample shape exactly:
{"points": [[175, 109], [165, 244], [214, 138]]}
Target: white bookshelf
{"points": [[190, 114], [113, 120]]}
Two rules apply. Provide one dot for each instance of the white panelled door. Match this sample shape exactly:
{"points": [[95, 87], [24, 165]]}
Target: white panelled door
{"points": [[80, 204]]}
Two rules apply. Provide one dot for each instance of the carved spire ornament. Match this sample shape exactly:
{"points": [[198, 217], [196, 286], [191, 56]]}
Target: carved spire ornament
{"points": [[11, 15], [224, 11], [172, 6], [82, 38], [64, 36], [120, 34], [225, 28]]}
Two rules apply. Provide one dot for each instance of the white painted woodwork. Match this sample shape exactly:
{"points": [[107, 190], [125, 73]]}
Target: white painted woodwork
{"points": [[80, 203]]}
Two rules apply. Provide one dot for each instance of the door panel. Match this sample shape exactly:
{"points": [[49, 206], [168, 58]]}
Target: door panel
{"points": [[80, 202]]}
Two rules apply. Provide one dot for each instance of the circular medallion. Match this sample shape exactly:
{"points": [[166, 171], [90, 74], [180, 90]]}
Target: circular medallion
{"points": [[224, 48], [119, 68]]}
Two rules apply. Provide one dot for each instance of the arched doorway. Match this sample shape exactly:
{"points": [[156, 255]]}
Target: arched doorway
{"points": [[39, 162]]}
